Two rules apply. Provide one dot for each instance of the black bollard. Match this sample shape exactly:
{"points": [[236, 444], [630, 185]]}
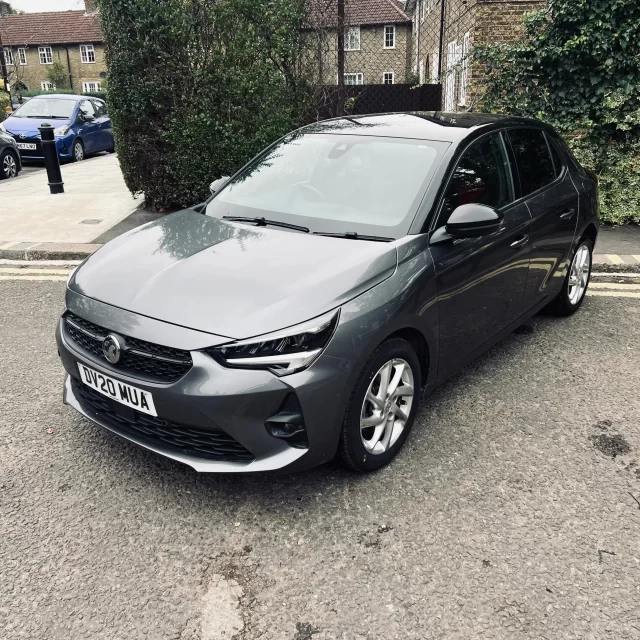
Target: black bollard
{"points": [[51, 160]]}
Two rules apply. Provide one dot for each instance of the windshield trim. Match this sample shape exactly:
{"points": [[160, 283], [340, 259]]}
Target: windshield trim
{"points": [[320, 225]]}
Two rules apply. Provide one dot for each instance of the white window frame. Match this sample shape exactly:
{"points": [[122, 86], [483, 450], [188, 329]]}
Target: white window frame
{"points": [[384, 36], [450, 79], [421, 68], [435, 63], [46, 55], [22, 56], [358, 75], [464, 76], [388, 73], [47, 85], [86, 86], [8, 56], [352, 34], [87, 51]]}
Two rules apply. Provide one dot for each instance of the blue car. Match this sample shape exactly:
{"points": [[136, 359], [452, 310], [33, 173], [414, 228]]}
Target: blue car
{"points": [[82, 126]]}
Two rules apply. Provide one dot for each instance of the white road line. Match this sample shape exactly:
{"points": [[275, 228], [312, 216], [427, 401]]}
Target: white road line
{"points": [[44, 272], [41, 278], [40, 263], [614, 294], [614, 285], [614, 259], [617, 274]]}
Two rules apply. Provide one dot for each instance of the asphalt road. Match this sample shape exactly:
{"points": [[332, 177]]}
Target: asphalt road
{"points": [[506, 515]]}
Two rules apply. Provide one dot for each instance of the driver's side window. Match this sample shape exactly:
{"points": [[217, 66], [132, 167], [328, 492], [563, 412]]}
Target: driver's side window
{"points": [[481, 176], [86, 109]]}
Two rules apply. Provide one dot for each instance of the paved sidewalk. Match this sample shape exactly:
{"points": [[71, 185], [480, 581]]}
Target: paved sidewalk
{"points": [[95, 200]]}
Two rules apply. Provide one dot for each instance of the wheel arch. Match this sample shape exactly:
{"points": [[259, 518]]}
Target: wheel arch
{"points": [[419, 343]]}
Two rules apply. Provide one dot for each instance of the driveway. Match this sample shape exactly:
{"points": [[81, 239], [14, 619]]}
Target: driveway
{"points": [[513, 512]]}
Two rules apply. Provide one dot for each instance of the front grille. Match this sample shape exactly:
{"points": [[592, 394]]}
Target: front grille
{"points": [[143, 359], [190, 441]]}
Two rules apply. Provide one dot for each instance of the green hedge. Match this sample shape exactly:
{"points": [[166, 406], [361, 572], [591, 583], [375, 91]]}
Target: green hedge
{"points": [[577, 66], [196, 88]]}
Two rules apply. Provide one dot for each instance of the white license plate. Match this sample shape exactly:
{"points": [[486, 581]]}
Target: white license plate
{"points": [[27, 146], [119, 391]]}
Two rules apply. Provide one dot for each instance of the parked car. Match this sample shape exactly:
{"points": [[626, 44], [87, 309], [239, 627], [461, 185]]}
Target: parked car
{"points": [[10, 163], [82, 126], [302, 311]]}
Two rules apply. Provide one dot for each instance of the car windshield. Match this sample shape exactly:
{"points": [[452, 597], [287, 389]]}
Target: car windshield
{"points": [[56, 108], [335, 183]]}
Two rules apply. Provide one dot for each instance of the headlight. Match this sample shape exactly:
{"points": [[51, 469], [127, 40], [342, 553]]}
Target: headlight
{"points": [[61, 131], [282, 353], [2, 128]]}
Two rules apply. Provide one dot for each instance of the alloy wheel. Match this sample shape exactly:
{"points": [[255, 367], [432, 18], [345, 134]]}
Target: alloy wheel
{"points": [[9, 166], [579, 274], [387, 406], [78, 152]]}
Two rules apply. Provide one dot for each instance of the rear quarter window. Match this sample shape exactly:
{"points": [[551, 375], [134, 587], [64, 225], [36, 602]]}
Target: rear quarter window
{"points": [[532, 156]]}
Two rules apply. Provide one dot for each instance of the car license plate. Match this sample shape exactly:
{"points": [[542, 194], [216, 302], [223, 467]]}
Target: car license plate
{"points": [[119, 391], [27, 146]]}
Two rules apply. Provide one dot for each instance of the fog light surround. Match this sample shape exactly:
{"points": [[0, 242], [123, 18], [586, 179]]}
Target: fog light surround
{"points": [[288, 424]]}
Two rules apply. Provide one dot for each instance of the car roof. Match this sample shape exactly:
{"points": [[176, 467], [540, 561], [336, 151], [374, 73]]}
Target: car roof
{"points": [[61, 96], [421, 125]]}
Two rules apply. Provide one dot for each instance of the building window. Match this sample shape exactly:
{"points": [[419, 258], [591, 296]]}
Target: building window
{"points": [[352, 39], [91, 87], [354, 78], [390, 36], [22, 56], [388, 77], [45, 85], [8, 57], [46, 55], [87, 53]]}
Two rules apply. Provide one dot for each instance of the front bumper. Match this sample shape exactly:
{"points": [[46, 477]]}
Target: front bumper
{"points": [[63, 147], [212, 398]]}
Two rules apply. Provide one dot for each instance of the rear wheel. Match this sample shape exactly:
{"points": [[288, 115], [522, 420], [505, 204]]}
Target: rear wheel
{"points": [[382, 407], [576, 283], [8, 165]]}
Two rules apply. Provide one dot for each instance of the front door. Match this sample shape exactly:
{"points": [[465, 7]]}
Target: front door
{"points": [[481, 281], [553, 202], [87, 128]]}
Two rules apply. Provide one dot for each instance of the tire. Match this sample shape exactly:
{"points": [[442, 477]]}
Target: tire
{"points": [[8, 165], [366, 448], [77, 151], [569, 300]]}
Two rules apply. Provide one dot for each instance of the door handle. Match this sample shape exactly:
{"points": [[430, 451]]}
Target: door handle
{"points": [[520, 242], [568, 214]]}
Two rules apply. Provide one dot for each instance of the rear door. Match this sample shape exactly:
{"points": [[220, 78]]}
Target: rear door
{"points": [[480, 281], [89, 131], [553, 201]]}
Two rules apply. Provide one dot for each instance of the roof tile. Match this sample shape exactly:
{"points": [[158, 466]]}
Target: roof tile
{"points": [[357, 12]]}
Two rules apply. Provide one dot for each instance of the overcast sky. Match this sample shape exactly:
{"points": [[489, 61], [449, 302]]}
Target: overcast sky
{"points": [[46, 5]]}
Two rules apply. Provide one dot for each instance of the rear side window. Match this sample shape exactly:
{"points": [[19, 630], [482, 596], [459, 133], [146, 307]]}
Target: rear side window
{"points": [[481, 177], [557, 162], [534, 161]]}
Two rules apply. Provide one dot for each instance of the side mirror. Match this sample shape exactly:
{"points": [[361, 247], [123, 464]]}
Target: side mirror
{"points": [[85, 118], [473, 221], [216, 185]]}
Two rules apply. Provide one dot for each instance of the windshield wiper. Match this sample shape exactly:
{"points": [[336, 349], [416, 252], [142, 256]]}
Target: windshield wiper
{"points": [[352, 235], [46, 117], [263, 222]]}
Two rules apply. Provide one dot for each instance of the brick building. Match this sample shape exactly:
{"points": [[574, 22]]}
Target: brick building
{"points": [[32, 42]]}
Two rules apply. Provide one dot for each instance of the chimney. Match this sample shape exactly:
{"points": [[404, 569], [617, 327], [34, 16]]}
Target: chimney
{"points": [[90, 6]]}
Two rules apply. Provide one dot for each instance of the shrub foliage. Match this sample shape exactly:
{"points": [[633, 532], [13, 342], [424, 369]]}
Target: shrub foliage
{"points": [[577, 65], [196, 87]]}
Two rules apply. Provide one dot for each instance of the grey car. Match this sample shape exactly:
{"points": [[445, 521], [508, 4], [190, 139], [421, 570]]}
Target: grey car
{"points": [[10, 163], [303, 310]]}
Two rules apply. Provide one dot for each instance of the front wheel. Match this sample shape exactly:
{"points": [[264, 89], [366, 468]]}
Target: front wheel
{"points": [[576, 283], [382, 407], [77, 151]]}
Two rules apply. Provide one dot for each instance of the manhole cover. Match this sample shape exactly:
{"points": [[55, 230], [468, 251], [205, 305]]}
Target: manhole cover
{"points": [[91, 221]]}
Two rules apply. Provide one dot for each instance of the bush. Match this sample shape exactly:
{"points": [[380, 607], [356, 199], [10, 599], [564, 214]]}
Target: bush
{"points": [[196, 88], [577, 66], [5, 102]]}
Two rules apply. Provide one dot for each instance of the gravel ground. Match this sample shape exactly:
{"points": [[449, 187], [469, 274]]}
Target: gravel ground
{"points": [[513, 511]]}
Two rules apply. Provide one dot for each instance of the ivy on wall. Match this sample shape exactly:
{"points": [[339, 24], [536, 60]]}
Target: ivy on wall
{"points": [[577, 66]]}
